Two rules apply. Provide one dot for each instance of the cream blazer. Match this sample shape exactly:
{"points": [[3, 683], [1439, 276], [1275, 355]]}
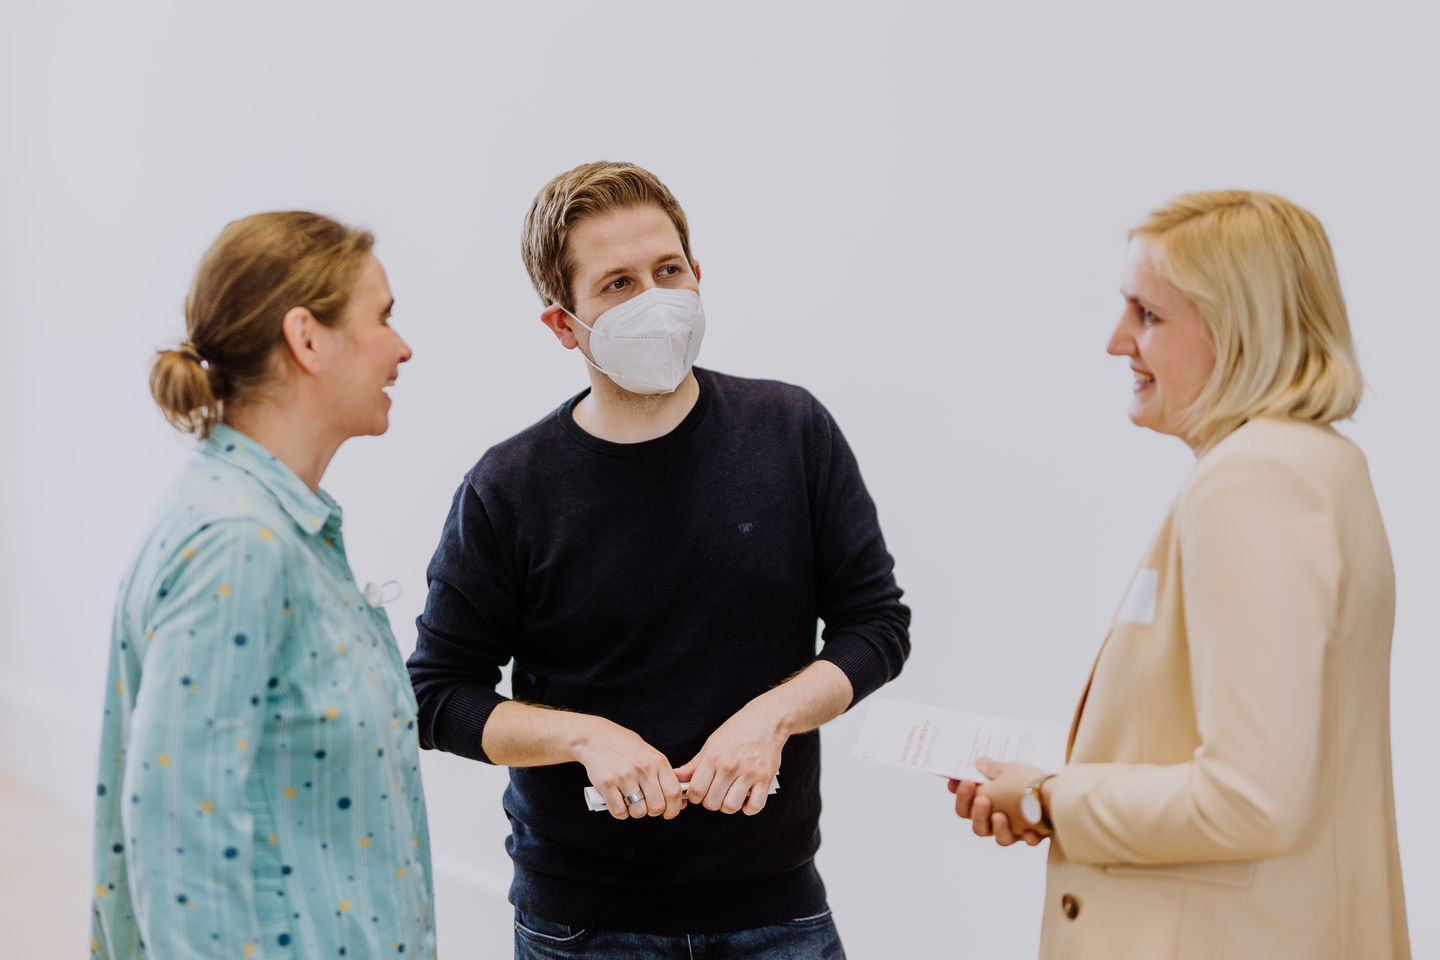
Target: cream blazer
{"points": [[1228, 790]]}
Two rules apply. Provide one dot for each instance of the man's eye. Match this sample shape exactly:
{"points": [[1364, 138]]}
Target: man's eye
{"points": [[617, 284], [1147, 316], [670, 270]]}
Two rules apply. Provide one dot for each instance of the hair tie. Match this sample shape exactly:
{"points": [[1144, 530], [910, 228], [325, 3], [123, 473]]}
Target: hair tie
{"points": [[192, 352]]}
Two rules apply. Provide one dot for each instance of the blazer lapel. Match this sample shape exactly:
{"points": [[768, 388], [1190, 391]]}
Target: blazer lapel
{"points": [[1085, 695]]}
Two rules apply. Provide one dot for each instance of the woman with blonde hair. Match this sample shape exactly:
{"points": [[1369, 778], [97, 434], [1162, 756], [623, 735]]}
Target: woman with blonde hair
{"points": [[259, 789], [1227, 791]]}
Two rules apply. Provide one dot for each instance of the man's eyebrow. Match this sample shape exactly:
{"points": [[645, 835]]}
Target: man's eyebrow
{"points": [[614, 272], [609, 275]]}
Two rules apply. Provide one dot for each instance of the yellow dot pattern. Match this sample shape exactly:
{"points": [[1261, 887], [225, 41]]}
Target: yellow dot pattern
{"points": [[163, 760], [249, 949], [266, 533], [364, 843], [331, 713], [223, 590], [400, 874], [188, 553], [339, 648], [289, 793], [207, 807], [344, 906], [242, 743], [100, 893]]}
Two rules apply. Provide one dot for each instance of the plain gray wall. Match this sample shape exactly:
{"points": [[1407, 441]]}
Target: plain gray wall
{"points": [[915, 210]]}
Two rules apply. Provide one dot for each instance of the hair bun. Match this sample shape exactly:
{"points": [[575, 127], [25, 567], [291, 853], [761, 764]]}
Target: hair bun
{"points": [[181, 383]]}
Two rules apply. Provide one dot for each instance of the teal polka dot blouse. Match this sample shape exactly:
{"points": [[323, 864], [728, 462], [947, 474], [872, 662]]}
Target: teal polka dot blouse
{"points": [[259, 789]]}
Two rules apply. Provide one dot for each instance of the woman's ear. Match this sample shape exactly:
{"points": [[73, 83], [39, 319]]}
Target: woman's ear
{"points": [[300, 329]]}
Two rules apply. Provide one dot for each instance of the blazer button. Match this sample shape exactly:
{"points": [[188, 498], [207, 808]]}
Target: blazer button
{"points": [[1070, 906]]}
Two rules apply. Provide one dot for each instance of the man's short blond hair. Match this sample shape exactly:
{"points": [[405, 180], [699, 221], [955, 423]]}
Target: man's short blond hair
{"points": [[589, 190], [1261, 272]]}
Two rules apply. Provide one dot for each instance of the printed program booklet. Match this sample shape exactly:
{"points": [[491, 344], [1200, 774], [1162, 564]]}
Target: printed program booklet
{"points": [[948, 742]]}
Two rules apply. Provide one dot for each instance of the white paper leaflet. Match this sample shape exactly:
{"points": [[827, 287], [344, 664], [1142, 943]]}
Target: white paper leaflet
{"points": [[948, 742]]}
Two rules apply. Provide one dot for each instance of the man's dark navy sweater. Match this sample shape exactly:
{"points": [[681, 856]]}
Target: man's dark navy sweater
{"points": [[661, 585]]}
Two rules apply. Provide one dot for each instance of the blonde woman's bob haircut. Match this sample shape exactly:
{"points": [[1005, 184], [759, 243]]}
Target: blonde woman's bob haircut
{"points": [[1261, 273]]}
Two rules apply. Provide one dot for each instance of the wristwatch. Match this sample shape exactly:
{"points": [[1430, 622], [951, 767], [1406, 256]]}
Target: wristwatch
{"points": [[1032, 805]]}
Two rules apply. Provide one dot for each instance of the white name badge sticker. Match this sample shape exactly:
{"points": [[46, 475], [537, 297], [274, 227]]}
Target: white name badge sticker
{"points": [[1139, 606]]}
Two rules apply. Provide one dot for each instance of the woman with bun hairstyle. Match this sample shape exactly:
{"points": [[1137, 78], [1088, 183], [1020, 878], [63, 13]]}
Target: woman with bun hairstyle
{"points": [[259, 790], [1227, 791]]}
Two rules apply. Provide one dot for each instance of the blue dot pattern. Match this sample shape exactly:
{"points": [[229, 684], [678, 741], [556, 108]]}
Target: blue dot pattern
{"points": [[267, 758]]}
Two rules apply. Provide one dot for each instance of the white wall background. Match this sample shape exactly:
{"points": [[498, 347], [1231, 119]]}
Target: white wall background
{"points": [[914, 209]]}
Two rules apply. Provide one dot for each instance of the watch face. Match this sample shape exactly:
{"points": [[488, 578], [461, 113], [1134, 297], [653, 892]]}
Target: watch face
{"points": [[1030, 808]]}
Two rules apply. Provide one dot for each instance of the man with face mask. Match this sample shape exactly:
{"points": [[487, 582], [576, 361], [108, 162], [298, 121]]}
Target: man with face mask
{"points": [[654, 556]]}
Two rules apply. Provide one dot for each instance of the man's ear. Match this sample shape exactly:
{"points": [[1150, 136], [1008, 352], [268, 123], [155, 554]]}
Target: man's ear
{"points": [[300, 329], [557, 321]]}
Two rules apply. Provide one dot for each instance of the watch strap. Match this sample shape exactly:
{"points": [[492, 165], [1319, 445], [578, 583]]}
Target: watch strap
{"points": [[1033, 789]]}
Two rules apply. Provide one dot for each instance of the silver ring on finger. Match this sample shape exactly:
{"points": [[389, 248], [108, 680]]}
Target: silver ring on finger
{"points": [[633, 798]]}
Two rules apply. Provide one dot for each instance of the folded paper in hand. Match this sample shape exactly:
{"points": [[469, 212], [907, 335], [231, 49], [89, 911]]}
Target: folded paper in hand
{"points": [[595, 803], [948, 742]]}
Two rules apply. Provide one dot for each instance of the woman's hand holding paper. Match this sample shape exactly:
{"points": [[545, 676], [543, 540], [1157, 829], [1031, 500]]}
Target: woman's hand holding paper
{"points": [[993, 808]]}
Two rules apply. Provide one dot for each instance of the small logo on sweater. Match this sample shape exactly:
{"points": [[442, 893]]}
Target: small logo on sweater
{"points": [[746, 528]]}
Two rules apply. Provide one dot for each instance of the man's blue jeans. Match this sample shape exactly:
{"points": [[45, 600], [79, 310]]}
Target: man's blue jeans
{"points": [[807, 938]]}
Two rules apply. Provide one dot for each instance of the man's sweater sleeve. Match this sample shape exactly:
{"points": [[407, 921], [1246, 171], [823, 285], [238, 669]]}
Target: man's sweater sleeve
{"points": [[867, 628], [466, 631]]}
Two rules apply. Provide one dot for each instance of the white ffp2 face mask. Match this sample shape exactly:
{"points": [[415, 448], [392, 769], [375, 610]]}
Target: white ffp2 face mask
{"points": [[648, 343]]}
